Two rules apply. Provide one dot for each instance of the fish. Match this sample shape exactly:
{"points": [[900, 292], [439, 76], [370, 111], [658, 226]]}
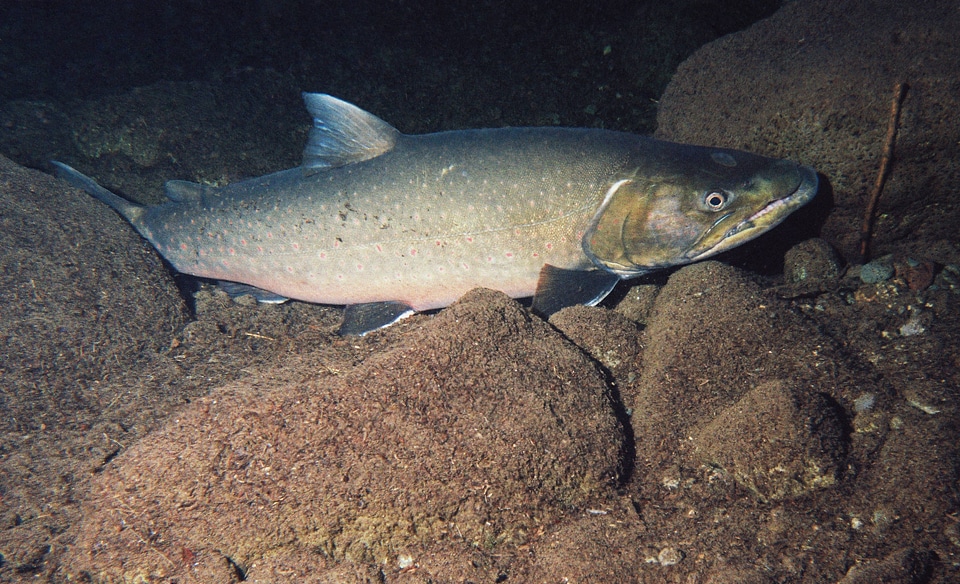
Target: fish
{"points": [[389, 224]]}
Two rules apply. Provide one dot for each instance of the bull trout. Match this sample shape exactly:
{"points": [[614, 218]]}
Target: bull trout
{"points": [[389, 224]]}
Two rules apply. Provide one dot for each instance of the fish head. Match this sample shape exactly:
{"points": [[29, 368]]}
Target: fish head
{"points": [[688, 203]]}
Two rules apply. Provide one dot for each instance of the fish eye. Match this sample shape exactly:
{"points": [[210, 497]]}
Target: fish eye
{"points": [[716, 200]]}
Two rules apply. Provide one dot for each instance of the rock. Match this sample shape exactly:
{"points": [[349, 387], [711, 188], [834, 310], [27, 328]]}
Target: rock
{"points": [[579, 550], [484, 425], [777, 442], [79, 290], [713, 338], [918, 274], [811, 262], [84, 302], [904, 566], [607, 336], [638, 302], [879, 270]]}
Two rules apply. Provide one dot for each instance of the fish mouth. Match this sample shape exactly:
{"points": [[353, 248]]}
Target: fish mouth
{"points": [[768, 217]]}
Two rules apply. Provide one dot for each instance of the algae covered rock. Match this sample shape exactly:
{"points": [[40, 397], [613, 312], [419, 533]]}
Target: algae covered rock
{"points": [[776, 441], [484, 426], [727, 368]]}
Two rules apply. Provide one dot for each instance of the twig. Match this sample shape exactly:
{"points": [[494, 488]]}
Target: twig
{"points": [[869, 216]]}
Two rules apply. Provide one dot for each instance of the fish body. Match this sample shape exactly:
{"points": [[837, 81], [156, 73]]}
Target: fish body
{"points": [[376, 218]]}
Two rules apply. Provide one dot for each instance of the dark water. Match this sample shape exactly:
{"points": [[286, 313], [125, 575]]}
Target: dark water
{"points": [[584, 63]]}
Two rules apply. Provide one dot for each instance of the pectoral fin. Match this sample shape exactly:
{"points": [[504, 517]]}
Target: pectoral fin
{"points": [[360, 319], [559, 288]]}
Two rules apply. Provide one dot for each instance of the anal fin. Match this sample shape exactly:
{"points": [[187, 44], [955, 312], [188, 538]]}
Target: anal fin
{"points": [[236, 290], [360, 319], [558, 288]]}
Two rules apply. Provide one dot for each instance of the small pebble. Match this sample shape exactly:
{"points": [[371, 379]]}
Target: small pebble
{"points": [[864, 402], [875, 272], [912, 327], [918, 274], [949, 278], [670, 483], [812, 259], [669, 556]]}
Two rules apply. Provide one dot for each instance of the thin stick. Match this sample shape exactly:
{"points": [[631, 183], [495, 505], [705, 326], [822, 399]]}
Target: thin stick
{"points": [[869, 216]]}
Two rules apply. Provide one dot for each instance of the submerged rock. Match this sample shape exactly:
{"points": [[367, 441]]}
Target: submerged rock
{"points": [[712, 341], [879, 270], [811, 261], [777, 441], [483, 426]]}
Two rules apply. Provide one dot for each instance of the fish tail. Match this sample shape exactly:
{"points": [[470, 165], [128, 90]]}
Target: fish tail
{"points": [[130, 211]]}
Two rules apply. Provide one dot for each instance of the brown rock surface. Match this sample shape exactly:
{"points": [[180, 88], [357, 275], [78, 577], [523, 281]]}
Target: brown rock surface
{"points": [[713, 338], [778, 441], [482, 429], [81, 300]]}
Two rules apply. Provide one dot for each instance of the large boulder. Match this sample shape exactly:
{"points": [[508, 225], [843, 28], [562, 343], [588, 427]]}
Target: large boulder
{"points": [[485, 426], [815, 83]]}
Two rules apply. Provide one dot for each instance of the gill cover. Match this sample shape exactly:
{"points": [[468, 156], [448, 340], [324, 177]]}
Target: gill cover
{"points": [[639, 227]]}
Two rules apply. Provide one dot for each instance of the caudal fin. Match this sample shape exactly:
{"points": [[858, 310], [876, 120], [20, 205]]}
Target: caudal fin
{"points": [[131, 211]]}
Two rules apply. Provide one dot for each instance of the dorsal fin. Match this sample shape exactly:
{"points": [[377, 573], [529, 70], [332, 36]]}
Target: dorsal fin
{"points": [[343, 134]]}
